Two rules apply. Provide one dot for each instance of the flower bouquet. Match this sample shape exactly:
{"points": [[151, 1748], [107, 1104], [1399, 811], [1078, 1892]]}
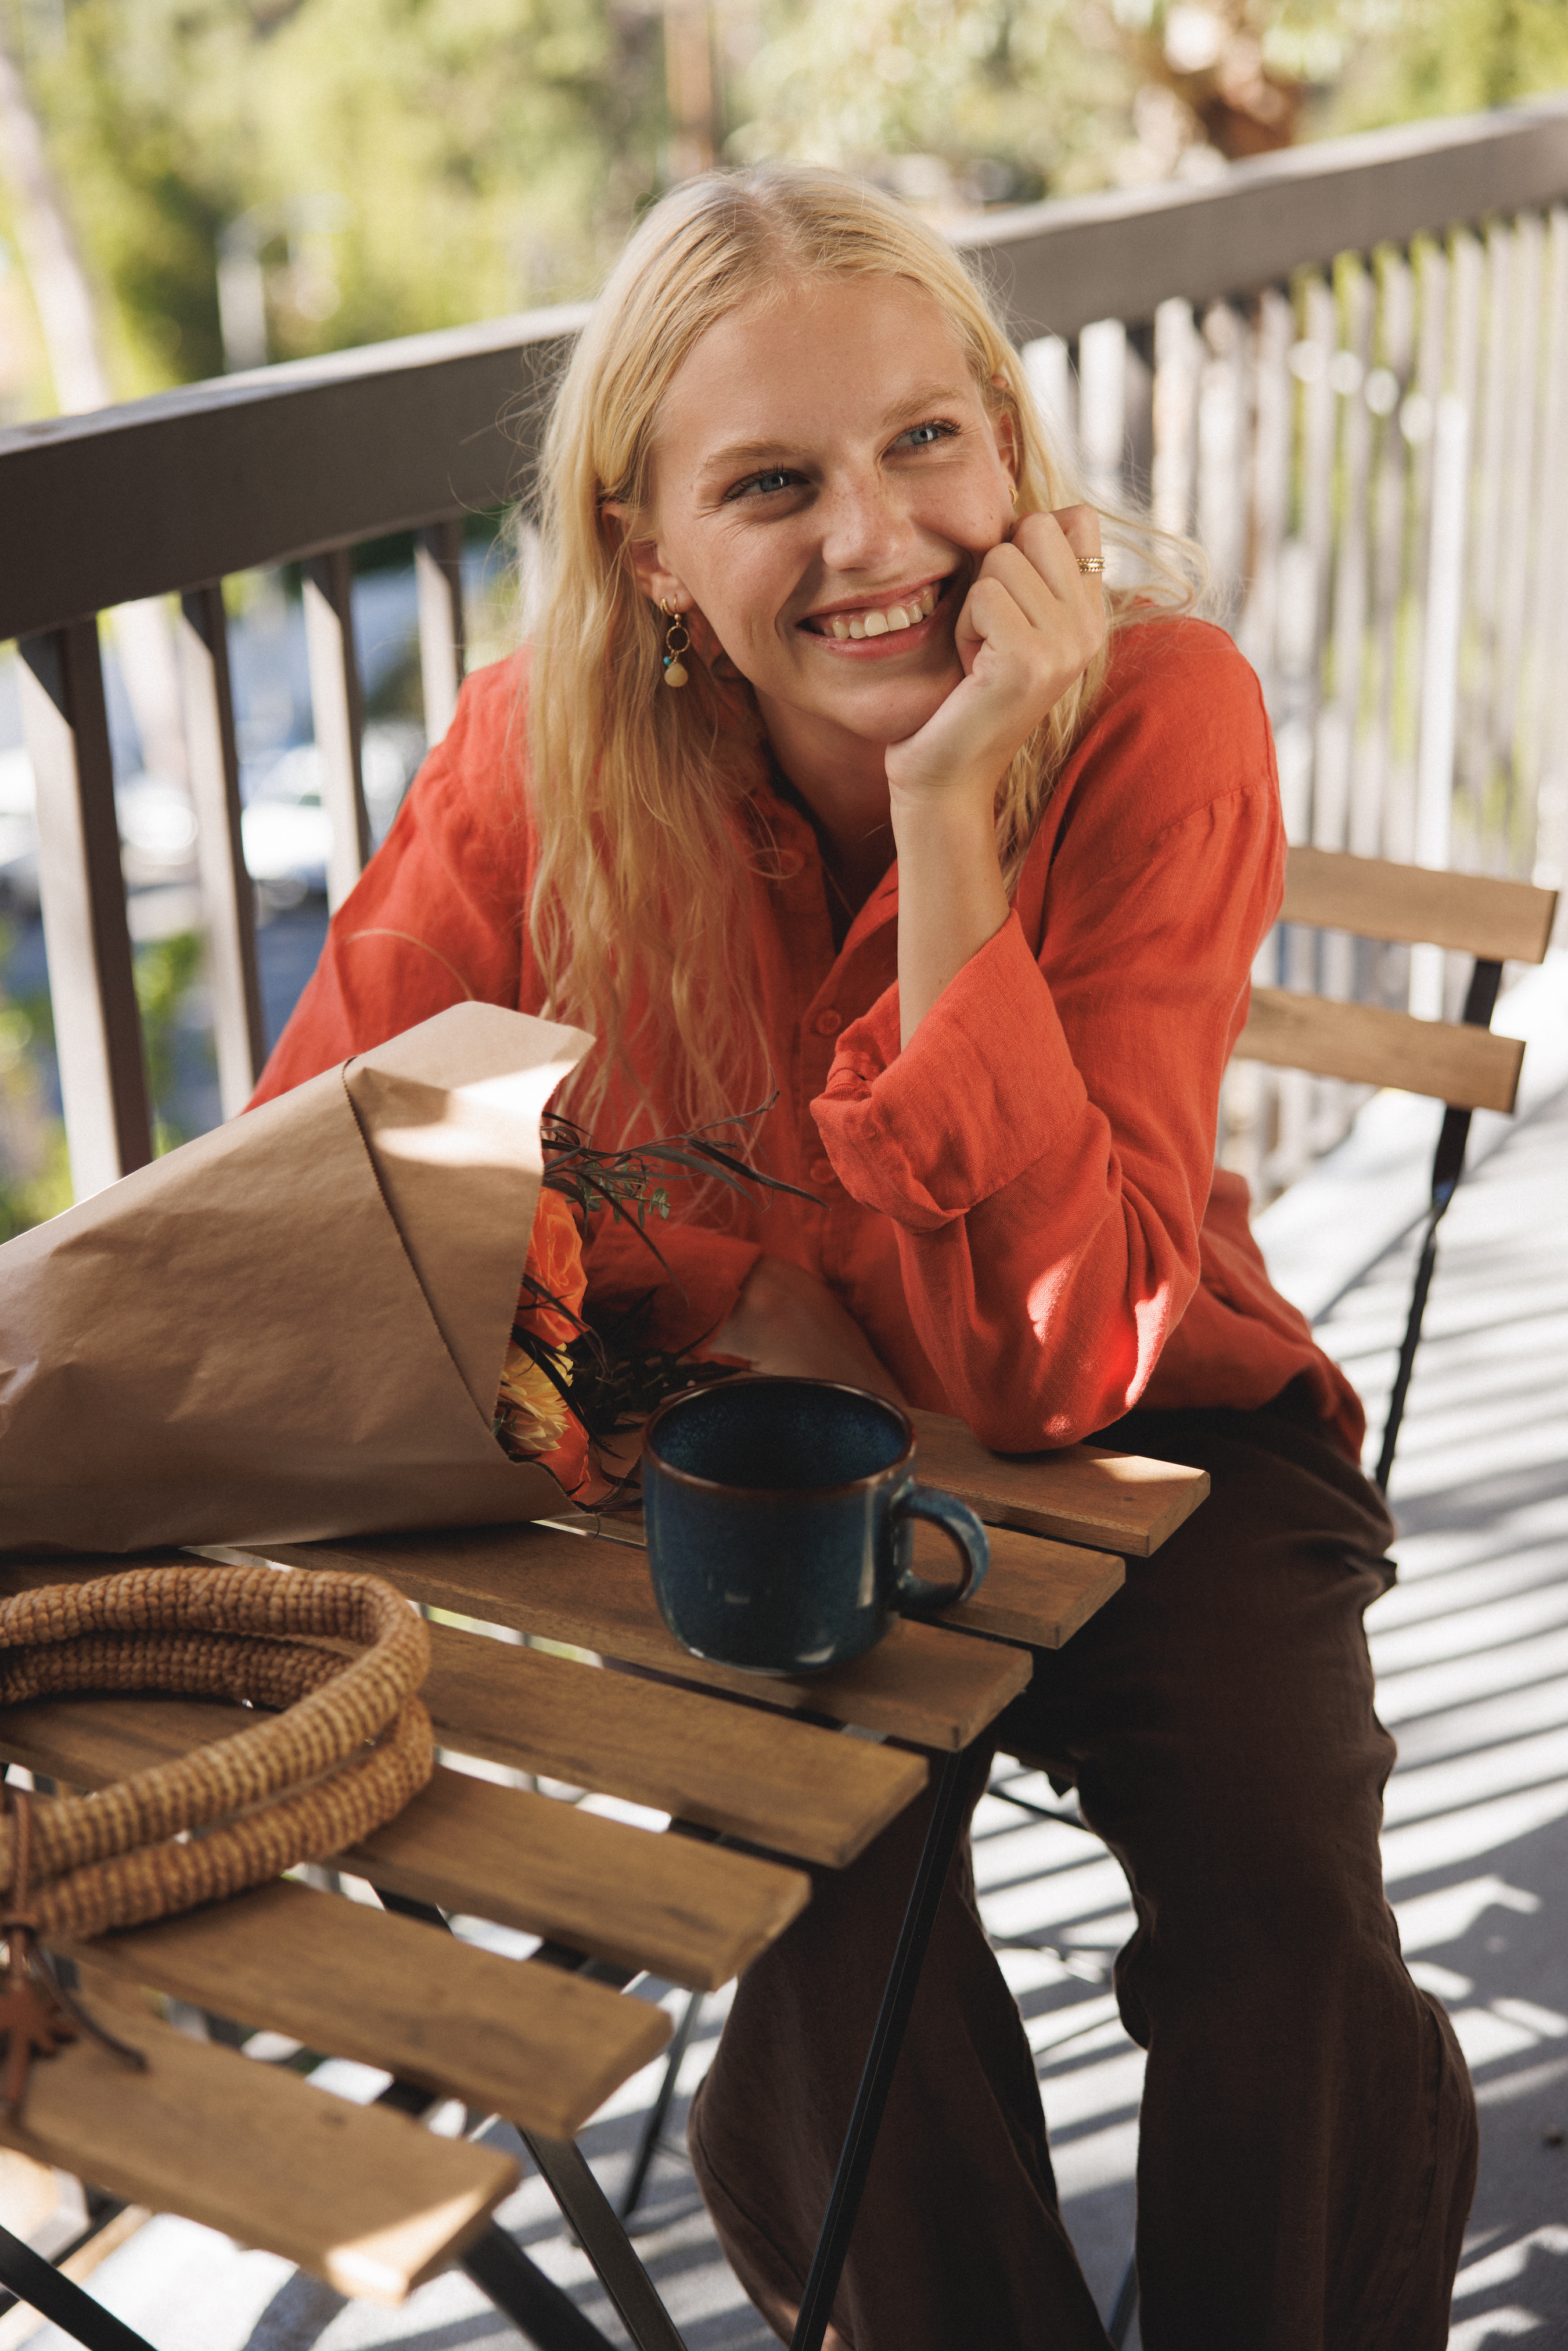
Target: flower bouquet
{"points": [[565, 1384], [355, 1309]]}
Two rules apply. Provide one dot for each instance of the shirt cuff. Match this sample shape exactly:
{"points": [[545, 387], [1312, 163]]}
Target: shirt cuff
{"points": [[986, 1086]]}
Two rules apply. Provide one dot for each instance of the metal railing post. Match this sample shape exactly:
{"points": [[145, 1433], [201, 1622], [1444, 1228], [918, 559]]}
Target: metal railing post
{"points": [[228, 899], [438, 575], [98, 1029], [337, 701]]}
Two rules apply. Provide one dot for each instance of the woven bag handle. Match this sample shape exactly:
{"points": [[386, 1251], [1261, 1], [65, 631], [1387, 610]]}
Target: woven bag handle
{"points": [[302, 1780]]}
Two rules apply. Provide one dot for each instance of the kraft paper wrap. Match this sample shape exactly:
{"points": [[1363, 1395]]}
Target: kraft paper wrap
{"points": [[293, 1328]]}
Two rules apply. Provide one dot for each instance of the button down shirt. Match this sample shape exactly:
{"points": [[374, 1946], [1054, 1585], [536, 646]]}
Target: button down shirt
{"points": [[1020, 1207]]}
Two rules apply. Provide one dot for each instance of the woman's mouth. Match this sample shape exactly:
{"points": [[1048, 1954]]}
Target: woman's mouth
{"points": [[884, 617]]}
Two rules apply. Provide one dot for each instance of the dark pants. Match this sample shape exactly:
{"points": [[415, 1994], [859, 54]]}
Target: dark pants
{"points": [[1308, 2140]]}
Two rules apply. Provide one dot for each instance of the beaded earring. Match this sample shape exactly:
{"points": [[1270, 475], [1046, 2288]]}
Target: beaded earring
{"points": [[675, 642]]}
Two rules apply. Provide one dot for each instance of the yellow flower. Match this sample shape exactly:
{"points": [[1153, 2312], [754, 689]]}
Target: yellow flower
{"points": [[530, 1405]]}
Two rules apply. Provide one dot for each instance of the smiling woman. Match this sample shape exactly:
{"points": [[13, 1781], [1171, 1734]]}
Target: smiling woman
{"points": [[838, 777], [794, 405]]}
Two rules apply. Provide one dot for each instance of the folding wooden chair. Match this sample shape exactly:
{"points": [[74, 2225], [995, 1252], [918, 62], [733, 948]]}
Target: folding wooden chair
{"points": [[1460, 1064]]}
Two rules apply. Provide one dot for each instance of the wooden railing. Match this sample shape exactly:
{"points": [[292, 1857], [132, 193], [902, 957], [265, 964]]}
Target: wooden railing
{"points": [[1345, 366]]}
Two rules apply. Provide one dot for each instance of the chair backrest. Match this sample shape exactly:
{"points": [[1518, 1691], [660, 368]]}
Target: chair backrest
{"points": [[1459, 1063]]}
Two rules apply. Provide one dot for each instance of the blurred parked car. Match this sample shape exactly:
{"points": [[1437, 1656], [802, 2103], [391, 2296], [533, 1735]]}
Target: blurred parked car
{"points": [[285, 829]]}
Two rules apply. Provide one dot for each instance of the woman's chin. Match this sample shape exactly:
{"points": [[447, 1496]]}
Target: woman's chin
{"points": [[891, 718], [889, 708]]}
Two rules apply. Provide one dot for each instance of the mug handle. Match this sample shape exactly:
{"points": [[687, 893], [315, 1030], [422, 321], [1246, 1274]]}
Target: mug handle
{"points": [[911, 1594]]}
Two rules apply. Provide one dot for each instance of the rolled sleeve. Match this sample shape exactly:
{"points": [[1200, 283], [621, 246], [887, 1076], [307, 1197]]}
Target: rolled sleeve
{"points": [[985, 1089]]}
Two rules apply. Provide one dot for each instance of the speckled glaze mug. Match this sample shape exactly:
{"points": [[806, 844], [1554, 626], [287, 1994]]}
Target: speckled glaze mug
{"points": [[779, 1515]]}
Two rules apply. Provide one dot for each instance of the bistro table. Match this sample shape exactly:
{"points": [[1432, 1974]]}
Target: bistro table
{"points": [[756, 1778]]}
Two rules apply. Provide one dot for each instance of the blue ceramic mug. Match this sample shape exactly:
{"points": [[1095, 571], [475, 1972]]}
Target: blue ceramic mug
{"points": [[778, 1515]]}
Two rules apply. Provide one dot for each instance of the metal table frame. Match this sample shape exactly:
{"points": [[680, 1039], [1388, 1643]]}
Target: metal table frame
{"points": [[535, 2306]]}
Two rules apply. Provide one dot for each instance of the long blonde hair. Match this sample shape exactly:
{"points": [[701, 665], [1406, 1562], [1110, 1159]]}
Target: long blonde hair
{"points": [[638, 909]]}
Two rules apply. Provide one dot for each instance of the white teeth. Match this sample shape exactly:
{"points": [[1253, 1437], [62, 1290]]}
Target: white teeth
{"points": [[878, 624]]}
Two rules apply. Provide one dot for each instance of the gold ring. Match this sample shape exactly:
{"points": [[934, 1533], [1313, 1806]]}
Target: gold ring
{"points": [[1095, 564]]}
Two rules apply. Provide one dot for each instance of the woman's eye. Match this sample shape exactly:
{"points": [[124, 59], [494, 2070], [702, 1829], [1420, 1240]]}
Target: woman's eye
{"points": [[764, 485], [924, 436]]}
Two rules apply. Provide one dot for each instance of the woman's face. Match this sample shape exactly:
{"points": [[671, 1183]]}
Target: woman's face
{"points": [[827, 479]]}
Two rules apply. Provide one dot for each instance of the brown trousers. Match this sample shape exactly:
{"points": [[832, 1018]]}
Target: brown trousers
{"points": [[1308, 2138]]}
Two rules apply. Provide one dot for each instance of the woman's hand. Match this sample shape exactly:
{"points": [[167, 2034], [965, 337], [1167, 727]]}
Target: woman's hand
{"points": [[787, 1323], [1030, 624]]}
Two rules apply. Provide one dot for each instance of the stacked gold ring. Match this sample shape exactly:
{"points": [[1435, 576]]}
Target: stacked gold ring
{"points": [[1092, 564]]}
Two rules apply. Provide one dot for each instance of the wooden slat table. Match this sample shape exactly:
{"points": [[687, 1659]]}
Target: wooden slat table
{"points": [[367, 2200]]}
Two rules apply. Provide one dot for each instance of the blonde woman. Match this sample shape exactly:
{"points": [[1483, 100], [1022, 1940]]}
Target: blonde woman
{"points": [[836, 772]]}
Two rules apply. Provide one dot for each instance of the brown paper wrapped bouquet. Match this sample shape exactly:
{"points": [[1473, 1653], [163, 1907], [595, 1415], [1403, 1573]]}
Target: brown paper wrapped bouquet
{"points": [[355, 1308]]}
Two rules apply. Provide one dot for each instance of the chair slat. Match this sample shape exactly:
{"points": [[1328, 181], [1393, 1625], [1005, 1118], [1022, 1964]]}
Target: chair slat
{"points": [[541, 2047], [438, 577], [357, 2195], [1374, 899], [1036, 1591], [597, 1596], [228, 900], [801, 1790], [781, 1785], [337, 701], [1085, 1493], [693, 1913], [98, 1029], [1467, 1068]]}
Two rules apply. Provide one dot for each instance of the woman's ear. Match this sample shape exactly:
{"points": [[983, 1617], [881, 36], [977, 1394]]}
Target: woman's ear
{"points": [[1004, 423], [644, 556]]}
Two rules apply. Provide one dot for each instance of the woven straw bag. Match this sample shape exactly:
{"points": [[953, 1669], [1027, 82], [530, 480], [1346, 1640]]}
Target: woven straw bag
{"points": [[342, 1654]]}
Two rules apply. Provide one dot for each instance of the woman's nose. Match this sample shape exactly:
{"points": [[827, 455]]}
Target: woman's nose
{"points": [[864, 523]]}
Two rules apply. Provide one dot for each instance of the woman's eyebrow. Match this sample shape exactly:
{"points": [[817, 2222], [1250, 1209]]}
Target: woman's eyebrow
{"points": [[737, 454]]}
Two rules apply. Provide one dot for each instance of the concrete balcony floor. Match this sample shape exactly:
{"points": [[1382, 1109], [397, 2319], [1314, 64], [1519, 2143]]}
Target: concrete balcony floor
{"points": [[1472, 1654]]}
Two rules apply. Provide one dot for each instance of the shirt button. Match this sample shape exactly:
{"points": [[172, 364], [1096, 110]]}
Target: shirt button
{"points": [[822, 1171], [828, 1023]]}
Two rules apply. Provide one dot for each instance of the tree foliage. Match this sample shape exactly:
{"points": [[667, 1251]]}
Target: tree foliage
{"points": [[475, 157], [446, 160]]}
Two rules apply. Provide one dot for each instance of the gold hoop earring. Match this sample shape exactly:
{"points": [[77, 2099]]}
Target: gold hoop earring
{"points": [[675, 642]]}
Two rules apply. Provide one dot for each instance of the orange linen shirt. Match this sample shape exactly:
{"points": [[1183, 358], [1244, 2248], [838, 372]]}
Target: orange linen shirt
{"points": [[1020, 1209]]}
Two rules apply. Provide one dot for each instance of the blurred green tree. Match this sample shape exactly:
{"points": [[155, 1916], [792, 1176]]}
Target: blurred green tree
{"points": [[35, 1172], [394, 165], [959, 103], [443, 160]]}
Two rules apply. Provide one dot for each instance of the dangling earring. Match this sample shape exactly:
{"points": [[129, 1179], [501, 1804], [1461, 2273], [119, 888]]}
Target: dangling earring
{"points": [[675, 642]]}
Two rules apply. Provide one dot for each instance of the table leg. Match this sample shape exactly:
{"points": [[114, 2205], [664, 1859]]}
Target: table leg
{"points": [[521, 2292], [500, 2269], [876, 2079], [648, 2145], [56, 2298], [565, 2172]]}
